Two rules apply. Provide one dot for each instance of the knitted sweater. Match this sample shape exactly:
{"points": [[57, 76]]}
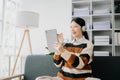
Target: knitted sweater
{"points": [[75, 61]]}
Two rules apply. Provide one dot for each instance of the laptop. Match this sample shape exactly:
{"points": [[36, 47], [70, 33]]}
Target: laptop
{"points": [[52, 39]]}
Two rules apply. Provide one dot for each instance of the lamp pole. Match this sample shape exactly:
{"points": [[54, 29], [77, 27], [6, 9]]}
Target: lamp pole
{"points": [[26, 31]]}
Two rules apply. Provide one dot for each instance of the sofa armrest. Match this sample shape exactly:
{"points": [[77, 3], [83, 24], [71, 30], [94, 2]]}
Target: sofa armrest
{"points": [[19, 76]]}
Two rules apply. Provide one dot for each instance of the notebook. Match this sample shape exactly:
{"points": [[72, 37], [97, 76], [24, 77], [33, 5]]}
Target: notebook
{"points": [[51, 37]]}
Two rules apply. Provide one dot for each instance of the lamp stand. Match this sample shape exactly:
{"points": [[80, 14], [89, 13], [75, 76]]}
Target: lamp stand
{"points": [[26, 31]]}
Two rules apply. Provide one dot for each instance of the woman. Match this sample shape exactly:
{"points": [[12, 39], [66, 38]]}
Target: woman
{"points": [[74, 58]]}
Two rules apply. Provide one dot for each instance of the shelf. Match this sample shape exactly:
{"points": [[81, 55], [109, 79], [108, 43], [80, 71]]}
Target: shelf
{"points": [[117, 45], [81, 3], [102, 30], [102, 45], [76, 2], [94, 15], [81, 16], [99, 0], [117, 14], [117, 29]]}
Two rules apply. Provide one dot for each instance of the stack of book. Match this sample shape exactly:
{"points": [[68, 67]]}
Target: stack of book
{"points": [[101, 40], [81, 11], [101, 53], [117, 38], [101, 25], [101, 11]]}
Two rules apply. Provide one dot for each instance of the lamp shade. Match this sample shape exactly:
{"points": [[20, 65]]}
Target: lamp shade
{"points": [[27, 19]]}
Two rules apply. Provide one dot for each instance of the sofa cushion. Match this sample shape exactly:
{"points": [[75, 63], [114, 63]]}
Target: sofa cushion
{"points": [[39, 65]]}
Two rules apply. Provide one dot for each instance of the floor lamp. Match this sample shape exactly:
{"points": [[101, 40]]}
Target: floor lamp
{"points": [[26, 20]]}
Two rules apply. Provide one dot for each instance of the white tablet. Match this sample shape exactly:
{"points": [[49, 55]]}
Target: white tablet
{"points": [[52, 39]]}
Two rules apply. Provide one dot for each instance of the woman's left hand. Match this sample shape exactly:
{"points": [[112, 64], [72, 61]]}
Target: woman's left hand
{"points": [[60, 47]]}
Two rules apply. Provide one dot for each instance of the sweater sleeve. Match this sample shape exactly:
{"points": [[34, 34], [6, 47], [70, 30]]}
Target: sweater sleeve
{"points": [[79, 61], [57, 60]]}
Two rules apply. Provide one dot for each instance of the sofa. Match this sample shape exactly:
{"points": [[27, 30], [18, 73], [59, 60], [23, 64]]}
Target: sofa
{"points": [[104, 67]]}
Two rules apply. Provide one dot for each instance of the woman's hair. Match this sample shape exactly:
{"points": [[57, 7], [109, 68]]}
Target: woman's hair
{"points": [[81, 22]]}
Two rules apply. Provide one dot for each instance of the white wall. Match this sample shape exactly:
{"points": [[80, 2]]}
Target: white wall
{"points": [[54, 14]]}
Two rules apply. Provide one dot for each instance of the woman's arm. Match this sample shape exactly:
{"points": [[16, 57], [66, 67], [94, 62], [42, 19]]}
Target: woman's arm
{"points": [[79, 61], [57, 59]]}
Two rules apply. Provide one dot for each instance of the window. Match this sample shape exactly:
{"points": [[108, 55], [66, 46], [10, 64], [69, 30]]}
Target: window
{"points": [[1, 20], [8, 9]]}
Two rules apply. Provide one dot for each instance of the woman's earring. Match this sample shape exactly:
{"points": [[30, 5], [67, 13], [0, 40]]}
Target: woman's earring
{"points": [[83, 28]]}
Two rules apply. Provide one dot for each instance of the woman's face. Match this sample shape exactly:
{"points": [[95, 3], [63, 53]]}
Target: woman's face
{"points": [[76, 30]]}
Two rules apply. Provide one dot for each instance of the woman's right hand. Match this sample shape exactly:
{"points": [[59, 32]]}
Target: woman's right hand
{"points": [[60, 38], [60, 42]]}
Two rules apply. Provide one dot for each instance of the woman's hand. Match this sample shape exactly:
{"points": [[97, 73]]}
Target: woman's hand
{"points": [[60, 48], [60, 38], [60, 42]]}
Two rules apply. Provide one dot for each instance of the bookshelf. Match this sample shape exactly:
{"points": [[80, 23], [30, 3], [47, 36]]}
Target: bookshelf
{"points": [[102, 22], [116, 22]]}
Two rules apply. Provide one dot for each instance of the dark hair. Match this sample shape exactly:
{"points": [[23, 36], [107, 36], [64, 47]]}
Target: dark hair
{"points": [[81, 22]]}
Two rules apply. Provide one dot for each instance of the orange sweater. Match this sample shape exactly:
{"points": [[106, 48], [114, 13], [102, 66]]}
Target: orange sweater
{"points": [[75, 62]]}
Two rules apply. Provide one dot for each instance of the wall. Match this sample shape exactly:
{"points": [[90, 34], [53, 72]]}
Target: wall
{"points": [[54, 14]]}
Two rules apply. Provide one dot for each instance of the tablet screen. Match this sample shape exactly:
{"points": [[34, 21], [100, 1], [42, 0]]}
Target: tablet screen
{"points": [[51, 37]]}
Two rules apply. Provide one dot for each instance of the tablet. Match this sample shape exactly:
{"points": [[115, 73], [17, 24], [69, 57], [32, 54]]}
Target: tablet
{"points": [[52, 39]]}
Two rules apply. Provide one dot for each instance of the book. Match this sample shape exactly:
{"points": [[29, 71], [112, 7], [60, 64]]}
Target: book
{"points": [[101, 40], [101, 11], [81, 11], [101, 37], [101, 25], [101, 43], [101, 53], [116, 38]]}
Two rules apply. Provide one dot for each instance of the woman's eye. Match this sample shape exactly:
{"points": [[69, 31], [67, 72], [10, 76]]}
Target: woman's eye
{"points": [[75, 26]]}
